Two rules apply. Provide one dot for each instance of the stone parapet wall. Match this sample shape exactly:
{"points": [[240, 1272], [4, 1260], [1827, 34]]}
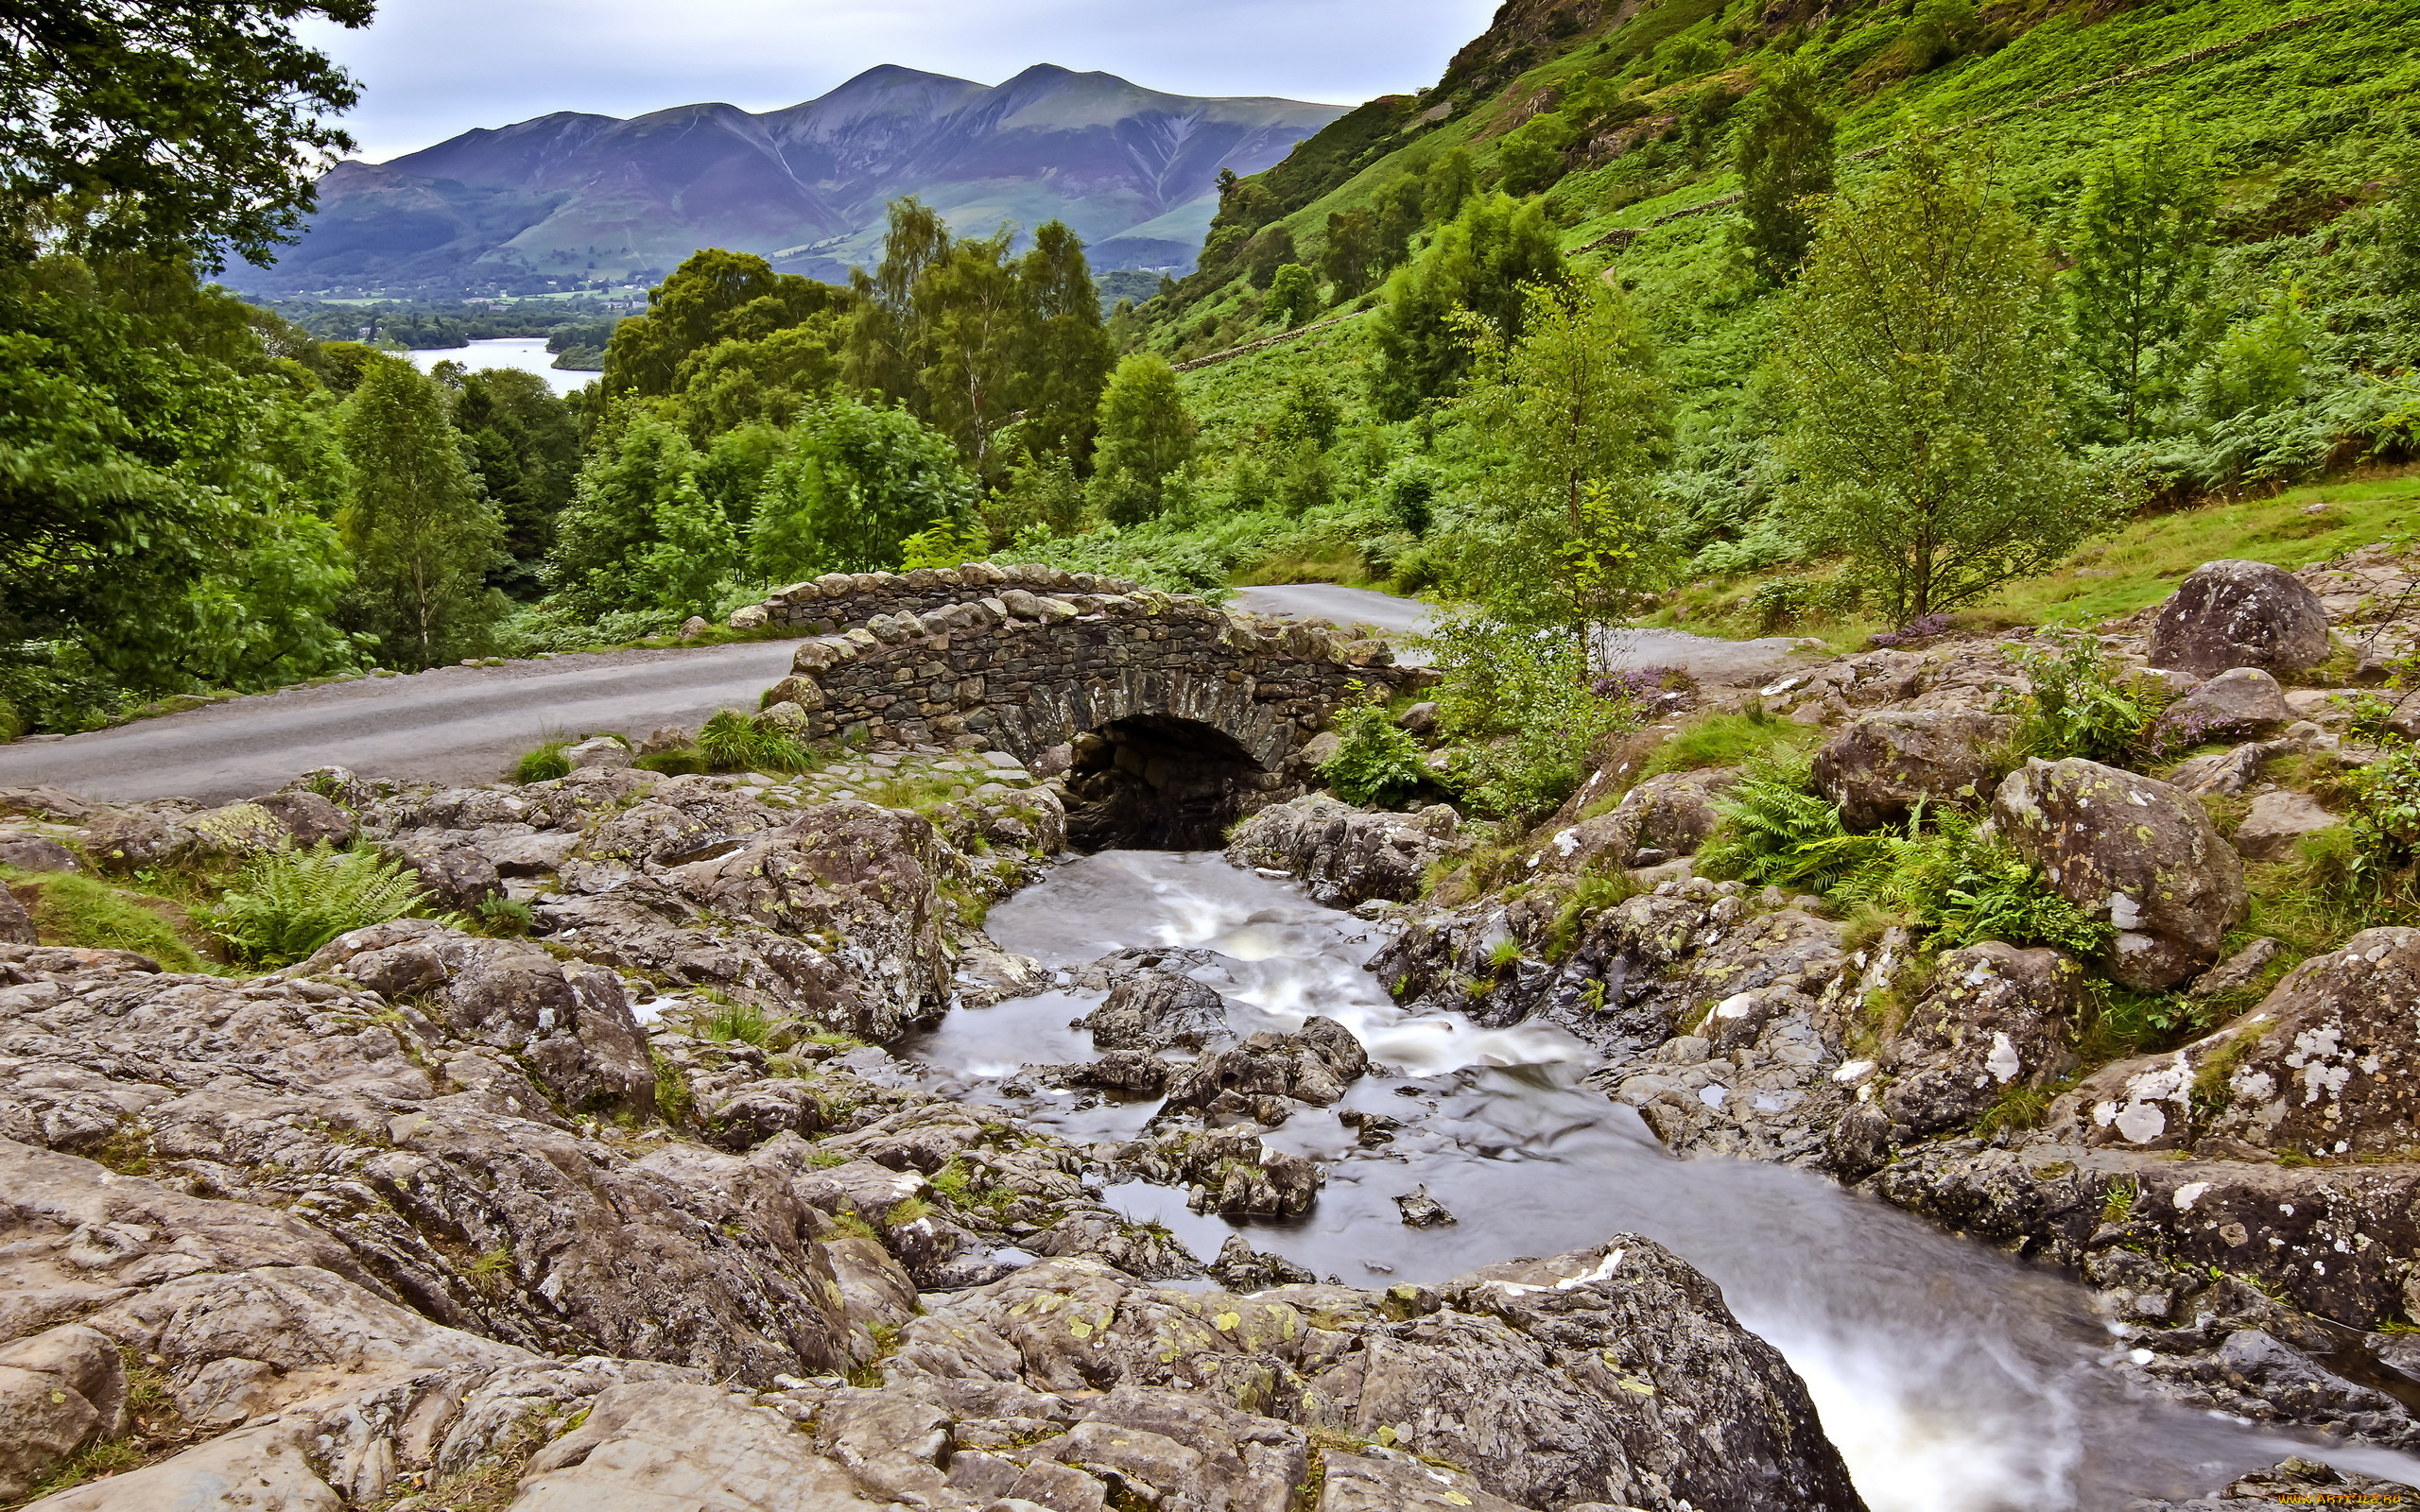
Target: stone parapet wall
{"points": [[835, 601], [1029, 671]]}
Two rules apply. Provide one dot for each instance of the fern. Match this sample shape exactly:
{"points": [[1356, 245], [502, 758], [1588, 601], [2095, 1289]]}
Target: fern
{"points": [[286, 904], [1776, 829]]}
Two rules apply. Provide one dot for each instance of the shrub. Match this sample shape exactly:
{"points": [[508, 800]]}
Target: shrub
{"points": [[680, 762], [287, 904], [2082, 704], [544, 763], [732, 742], [1524, 700], [505, 917], [1379, 762]]}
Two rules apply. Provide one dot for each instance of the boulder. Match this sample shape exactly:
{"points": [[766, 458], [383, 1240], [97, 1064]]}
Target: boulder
{"points": [[1232, 1173], [665, 738], [1881, 766], [307, 818], [59, 1390], [16, 926], [603, 752], [2133, 851], [1159, 1011], [2328, 1065], [2240, 701], [34, 852], [1314, 1065], [2240, 614], [2278, 823], [1994, 1019], [454, 876], [238, 831], [1670, 815], [750, 617], [1345, 855]]}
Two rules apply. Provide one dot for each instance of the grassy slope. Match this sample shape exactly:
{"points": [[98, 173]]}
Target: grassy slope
{"points": [[2318, 104]]}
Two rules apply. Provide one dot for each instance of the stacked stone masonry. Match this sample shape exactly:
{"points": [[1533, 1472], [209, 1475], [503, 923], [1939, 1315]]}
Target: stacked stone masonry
{"points": [[1032, 658]]}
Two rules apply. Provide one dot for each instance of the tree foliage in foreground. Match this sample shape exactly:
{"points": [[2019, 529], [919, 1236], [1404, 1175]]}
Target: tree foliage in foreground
{"points": [[1917, 363], [171, 126]]}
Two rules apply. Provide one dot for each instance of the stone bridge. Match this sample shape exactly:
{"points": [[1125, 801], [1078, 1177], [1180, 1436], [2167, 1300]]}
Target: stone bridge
{"points": [[1168, 718]]}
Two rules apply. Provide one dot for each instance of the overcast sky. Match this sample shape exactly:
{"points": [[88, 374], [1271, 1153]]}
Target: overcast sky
{"points": [[433, 68]]}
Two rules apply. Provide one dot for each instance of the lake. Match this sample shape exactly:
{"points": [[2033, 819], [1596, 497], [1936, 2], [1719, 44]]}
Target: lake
{"points": [[529, 354]]}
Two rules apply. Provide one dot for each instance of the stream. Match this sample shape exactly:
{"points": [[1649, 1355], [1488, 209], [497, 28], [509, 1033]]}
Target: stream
{"points": [[1953, 1378]]}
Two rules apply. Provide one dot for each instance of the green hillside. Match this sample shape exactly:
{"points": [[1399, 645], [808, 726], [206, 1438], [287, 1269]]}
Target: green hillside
{"points": [[1624, 131]]}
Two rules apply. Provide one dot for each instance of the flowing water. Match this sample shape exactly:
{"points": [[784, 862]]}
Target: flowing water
{"points": [[1952, 1378]]}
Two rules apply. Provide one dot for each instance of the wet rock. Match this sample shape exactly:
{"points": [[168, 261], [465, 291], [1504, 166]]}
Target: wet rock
{"points": [[1346, 855], [1313, 1066], [602, 753], [1130, 1073], [2291, 1482], [34, 852], [2243, 701], [2278, 823], [1242, 1268], [1230, 1173], [1159, 1011], [1421, 1211], [1614, 1374], [1878, 768], [2132, 850], [2231, 614]]}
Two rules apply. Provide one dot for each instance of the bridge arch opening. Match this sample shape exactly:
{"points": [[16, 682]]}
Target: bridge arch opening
{"points": [[1158, 783]]}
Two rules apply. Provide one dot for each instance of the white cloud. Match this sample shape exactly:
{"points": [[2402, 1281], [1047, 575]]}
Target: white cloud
{"points": [[433, 68]]}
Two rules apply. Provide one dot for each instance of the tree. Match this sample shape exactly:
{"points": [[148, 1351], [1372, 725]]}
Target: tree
{"points": [[1917, 360], [1451, 181], [421, 535], [616, 513], [972, 338], [173, 127], [1783, 160], [2259, 365], [1399, 220], [856, 480], [2142, 246], [1069, 354], [713, 296], [1481, 262], [1529, 159], [1146, 438], [1272, 250], [887, 331], [1293, 295], [1350, 253], [523, 449], [1582, 417], [695, 555]]}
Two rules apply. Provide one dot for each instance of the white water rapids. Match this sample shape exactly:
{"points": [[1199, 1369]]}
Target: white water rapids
{"points": [[1952, 1378]]}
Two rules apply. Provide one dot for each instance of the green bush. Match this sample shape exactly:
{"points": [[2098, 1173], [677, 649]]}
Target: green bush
{"points": [[1525, 703], [2084, 704], [732, 742], [544, 763], [1379, 762], [288, 904]]}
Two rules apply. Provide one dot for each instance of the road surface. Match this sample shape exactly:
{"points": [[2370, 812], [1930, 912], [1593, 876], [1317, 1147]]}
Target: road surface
{"points": [[450, 724]]}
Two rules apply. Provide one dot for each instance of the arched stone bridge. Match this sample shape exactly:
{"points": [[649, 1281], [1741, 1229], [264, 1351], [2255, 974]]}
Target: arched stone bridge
{"points": [[1168, 717]]}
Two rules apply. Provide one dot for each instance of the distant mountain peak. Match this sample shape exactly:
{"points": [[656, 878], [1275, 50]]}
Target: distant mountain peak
{"points": [[569, 200]]}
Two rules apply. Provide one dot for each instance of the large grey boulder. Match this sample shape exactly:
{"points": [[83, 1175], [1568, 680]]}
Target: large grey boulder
{"points": [[1159, 1011], [2133, 851], [2278, 824], [2328, 1065], [1881, 766], [2240, 614], [2241, 701], [1346, 855], [1315, 1065]]}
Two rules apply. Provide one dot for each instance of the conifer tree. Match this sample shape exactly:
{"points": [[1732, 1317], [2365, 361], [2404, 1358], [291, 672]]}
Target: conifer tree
{"points": [[2142, 273], [422, 536]]}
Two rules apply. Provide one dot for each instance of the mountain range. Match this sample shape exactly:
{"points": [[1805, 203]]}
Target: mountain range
{"points": [[569, 200]]}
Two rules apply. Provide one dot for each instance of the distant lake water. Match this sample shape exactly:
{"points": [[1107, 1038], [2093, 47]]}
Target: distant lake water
{"points": [[529, 354]]}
